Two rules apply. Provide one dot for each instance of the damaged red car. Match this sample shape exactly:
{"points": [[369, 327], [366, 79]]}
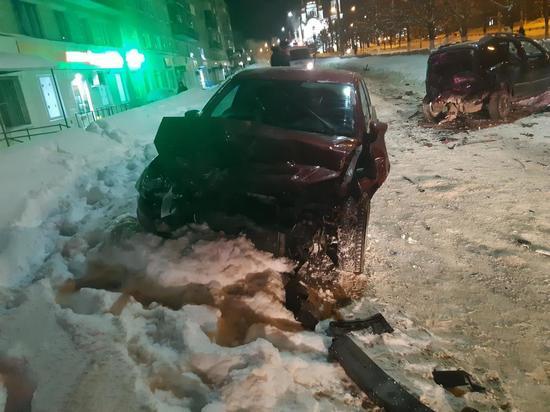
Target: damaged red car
{"points": [[289, 157], [488, 75]]}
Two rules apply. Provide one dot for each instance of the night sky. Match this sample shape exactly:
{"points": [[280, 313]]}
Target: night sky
{"points": [[259, 19]]}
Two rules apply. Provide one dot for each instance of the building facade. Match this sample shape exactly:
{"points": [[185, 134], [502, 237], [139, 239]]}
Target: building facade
{"points": [[103, 56]]}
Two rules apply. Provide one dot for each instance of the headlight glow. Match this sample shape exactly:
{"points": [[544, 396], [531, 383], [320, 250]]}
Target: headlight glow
{"points": [[309, 66]]}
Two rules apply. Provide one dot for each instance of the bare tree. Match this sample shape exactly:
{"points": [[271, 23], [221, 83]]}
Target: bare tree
{"points": [[462, 13], [508, 7], [429, 14]]}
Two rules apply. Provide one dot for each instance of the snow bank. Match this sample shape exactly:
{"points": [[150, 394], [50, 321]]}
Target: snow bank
{"points": [[66, 174], [402, 70], [194, 323]]}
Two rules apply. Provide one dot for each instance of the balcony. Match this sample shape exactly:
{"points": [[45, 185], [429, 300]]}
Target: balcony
{"points": [[184, 32], [215, 44], [210, 20]]}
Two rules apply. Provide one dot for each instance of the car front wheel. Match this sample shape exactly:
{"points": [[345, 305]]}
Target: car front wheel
{"points": [[500, 105]]}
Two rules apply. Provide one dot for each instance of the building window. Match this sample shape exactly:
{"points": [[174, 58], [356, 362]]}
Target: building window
{"points": [[62, 26], [100, 35], [158, 81], [13, 110], [121, 89], [81, 94], [86, 32], [115, 39], [29, 19], [50, 98]]}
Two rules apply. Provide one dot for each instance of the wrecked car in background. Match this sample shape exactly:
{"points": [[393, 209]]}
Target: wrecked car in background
{"points": [[301, 57], [290, 157], [486, 75]]}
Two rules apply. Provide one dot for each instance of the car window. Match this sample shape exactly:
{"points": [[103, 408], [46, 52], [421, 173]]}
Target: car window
{"points": [[531, 50], [495, 53], [226, 102], [320, 107], [514, 52], [451, 61]]}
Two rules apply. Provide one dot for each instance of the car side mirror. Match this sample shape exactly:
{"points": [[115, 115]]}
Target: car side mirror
{"points": [[192, 114], [375, 129]]}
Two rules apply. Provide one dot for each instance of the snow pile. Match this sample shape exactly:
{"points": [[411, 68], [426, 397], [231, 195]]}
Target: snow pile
{"points": [[403, 71], [130, 321], [66, 174]]}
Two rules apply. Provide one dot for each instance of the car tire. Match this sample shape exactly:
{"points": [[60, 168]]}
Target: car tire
{"points": [[500, 105], [352, 235], [429, 113]]}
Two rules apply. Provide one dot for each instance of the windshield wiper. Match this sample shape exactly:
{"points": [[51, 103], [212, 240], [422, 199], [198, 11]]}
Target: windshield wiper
{"points": [[329, 127]]}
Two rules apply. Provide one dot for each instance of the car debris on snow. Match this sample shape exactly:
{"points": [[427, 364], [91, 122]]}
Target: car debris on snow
{"points": [[454, 378], [376, 324], [383, 389], [543, 252]]}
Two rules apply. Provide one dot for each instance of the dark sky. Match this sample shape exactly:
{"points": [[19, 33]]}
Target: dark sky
{"points": [[259, 19]]}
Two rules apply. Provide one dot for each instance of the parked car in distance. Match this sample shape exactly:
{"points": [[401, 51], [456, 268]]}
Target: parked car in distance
{"points": [[301, 57], [489, 74], [291, 157]]}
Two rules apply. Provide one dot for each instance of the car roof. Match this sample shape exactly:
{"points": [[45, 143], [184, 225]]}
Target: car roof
{"points": [[287, 73], [457, 46], [480, 43]]}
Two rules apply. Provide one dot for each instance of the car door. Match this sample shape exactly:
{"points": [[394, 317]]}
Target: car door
{"points": [[537, 78], [502, 62], [517, 69]]}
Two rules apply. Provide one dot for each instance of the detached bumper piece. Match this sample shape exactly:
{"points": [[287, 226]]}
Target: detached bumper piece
{"points": [[366, 374]]}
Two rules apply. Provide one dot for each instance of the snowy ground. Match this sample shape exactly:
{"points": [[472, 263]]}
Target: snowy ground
{"points": [[455, 233], [454, 269]]}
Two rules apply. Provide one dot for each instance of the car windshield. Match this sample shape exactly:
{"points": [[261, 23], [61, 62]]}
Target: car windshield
{"points": [[300, 54], [453, 61], [319, 107]]}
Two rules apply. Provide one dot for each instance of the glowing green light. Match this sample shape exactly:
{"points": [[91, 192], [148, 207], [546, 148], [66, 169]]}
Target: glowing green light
{"points": [[107, 60], [134, 59]]}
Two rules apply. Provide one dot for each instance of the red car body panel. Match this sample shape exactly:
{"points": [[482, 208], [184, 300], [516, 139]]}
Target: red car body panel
{"points": [[307, 149], [207, 163]]}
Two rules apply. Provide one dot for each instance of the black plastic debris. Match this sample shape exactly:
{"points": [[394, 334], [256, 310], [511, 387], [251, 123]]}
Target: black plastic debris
{"points": [[453, 379], [368, 376], [376, 325]]}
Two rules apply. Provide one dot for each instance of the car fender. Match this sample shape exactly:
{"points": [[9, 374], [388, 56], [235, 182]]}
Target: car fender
{"points": [[379, 158]]}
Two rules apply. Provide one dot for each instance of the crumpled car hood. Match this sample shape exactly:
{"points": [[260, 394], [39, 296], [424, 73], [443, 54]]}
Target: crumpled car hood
{"points": [[257, 157]]}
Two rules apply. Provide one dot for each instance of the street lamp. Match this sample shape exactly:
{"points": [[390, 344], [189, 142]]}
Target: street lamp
{"points": [[352, 8], [290, 14], [283, 29]]}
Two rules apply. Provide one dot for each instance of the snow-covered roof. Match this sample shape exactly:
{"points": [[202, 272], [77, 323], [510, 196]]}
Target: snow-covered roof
{"points": [[10, 62]]}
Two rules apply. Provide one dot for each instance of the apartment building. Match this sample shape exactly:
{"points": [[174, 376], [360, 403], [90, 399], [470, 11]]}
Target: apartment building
{"points": [[61, 60], [204, 38]]}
